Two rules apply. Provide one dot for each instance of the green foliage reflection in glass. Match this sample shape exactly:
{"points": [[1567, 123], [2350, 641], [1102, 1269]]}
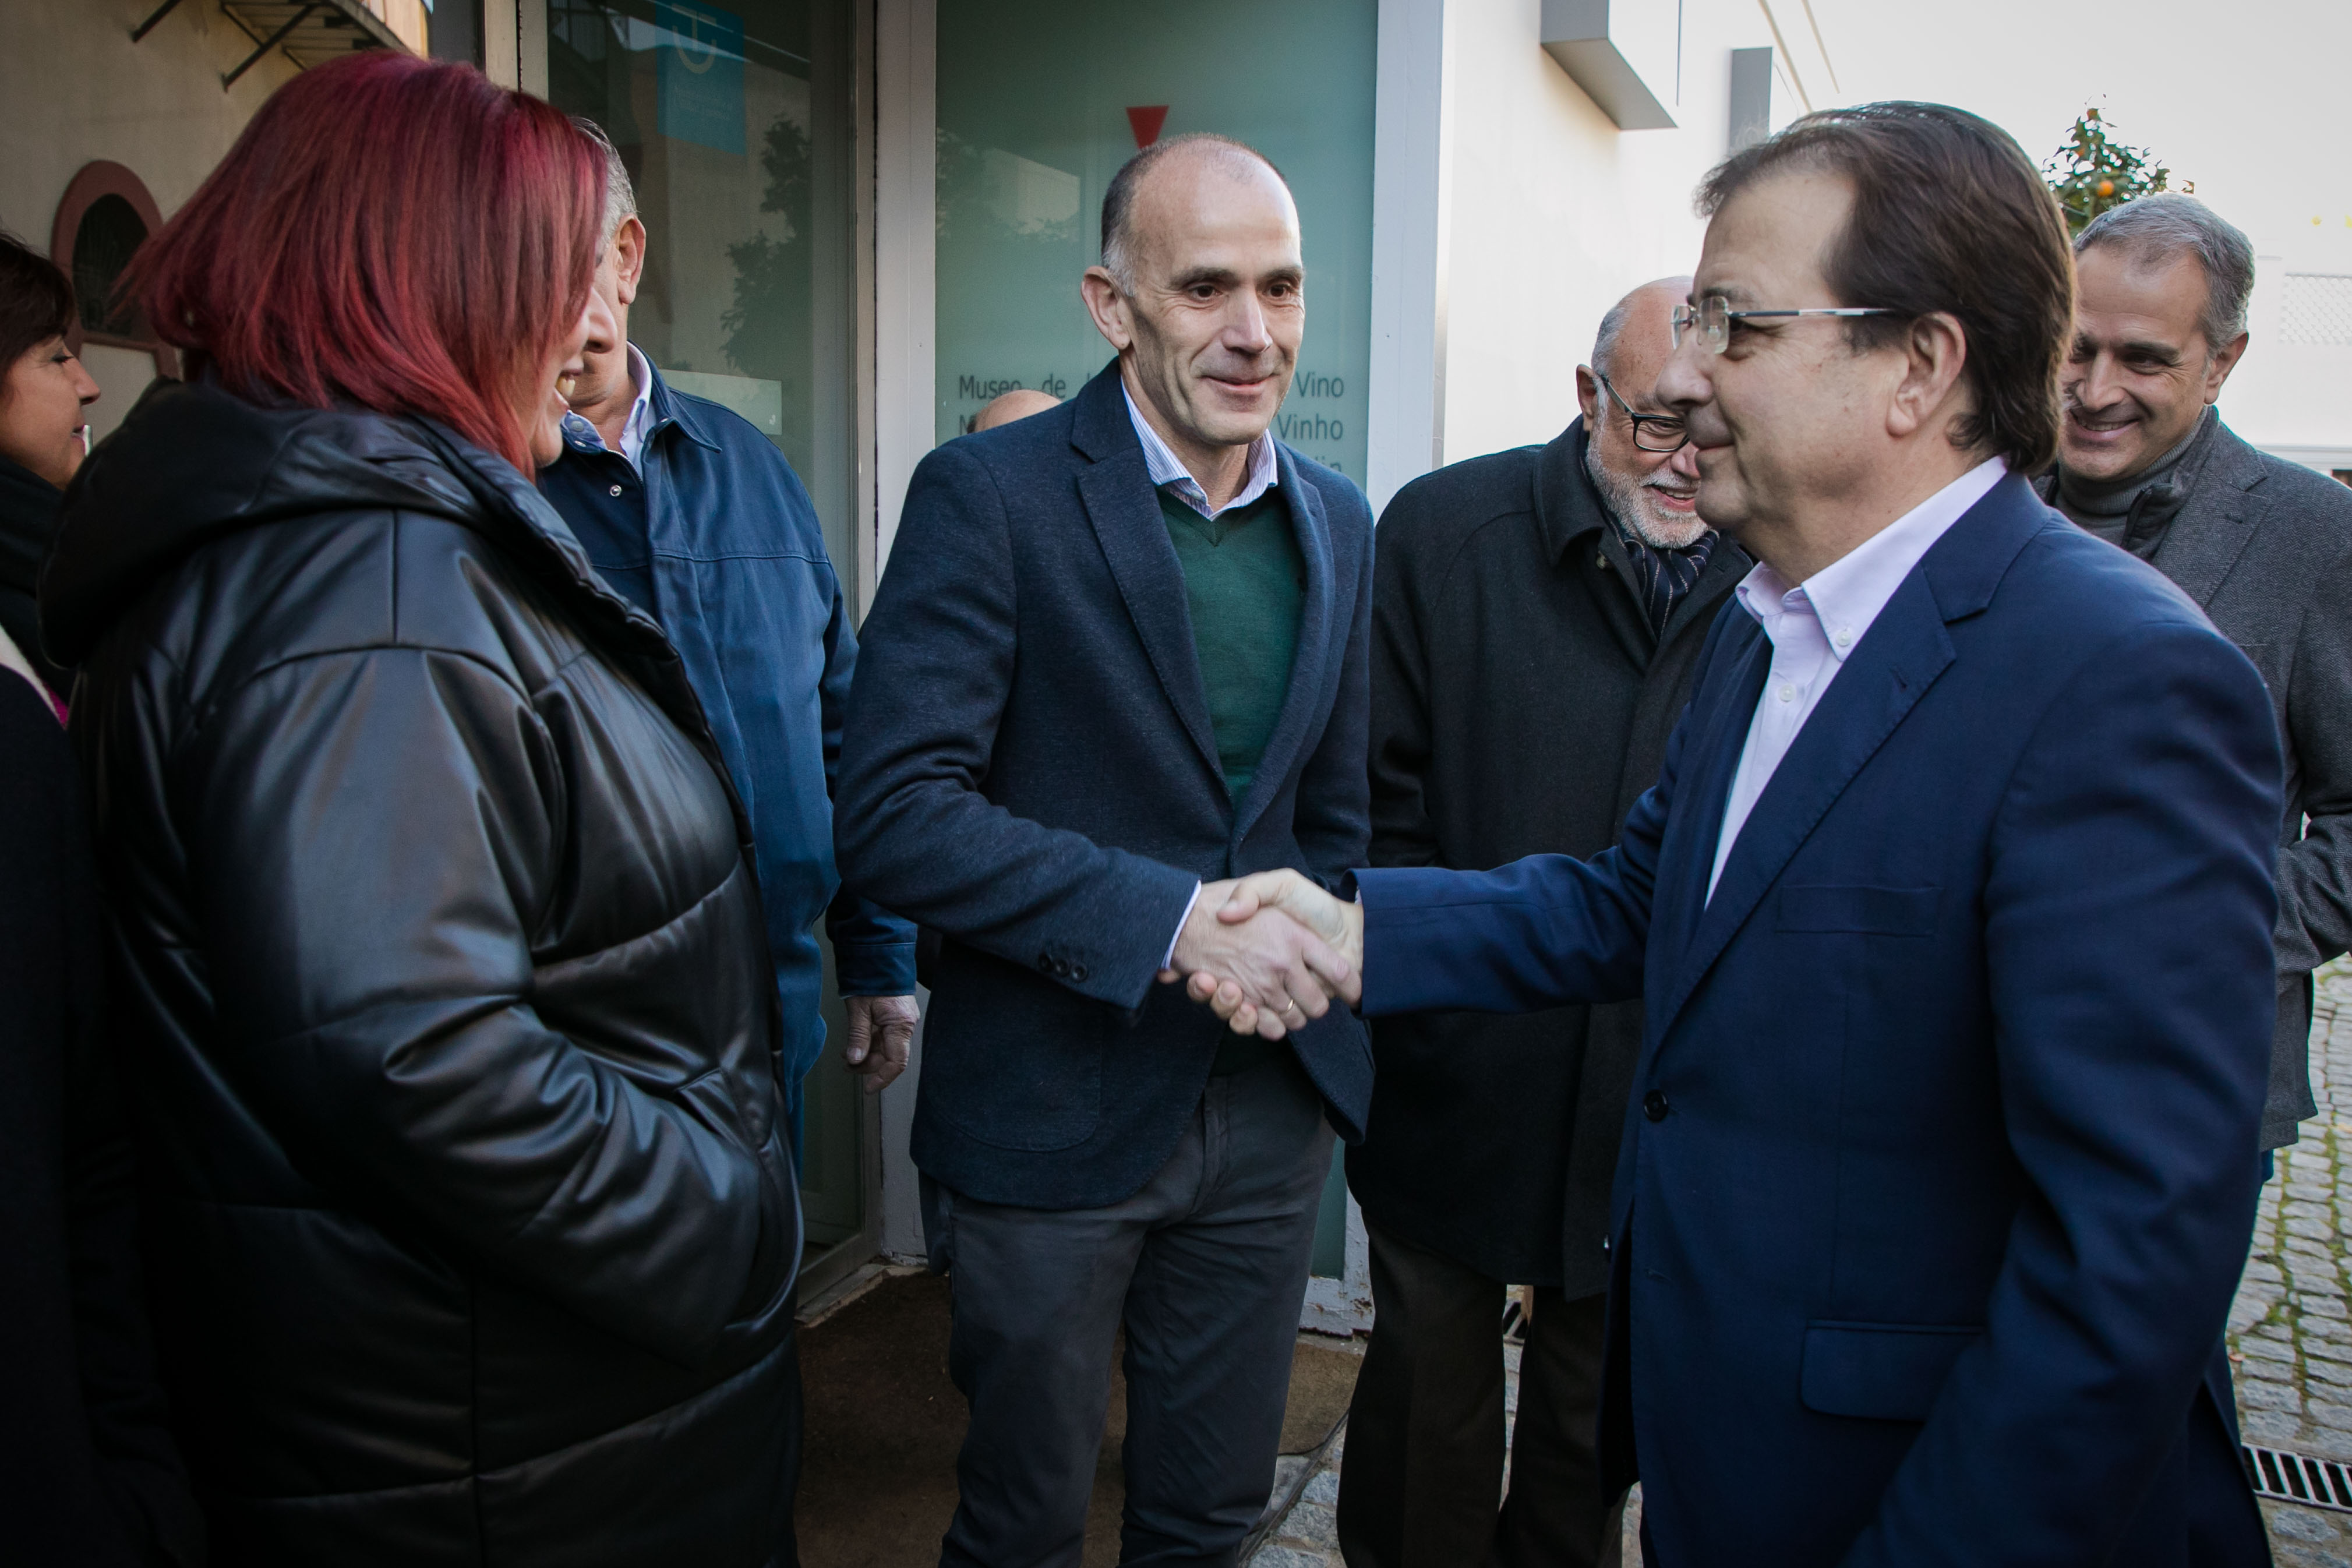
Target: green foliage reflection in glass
{"points": [[767, 327]]}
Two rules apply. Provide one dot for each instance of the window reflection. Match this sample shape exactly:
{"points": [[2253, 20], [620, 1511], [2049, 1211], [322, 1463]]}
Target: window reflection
{"points": [[733, 122], [1040, 102]]}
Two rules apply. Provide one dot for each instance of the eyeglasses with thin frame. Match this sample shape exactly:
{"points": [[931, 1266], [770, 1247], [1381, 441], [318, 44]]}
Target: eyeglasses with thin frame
{"points": [[1649, 429], [1712, 317]]}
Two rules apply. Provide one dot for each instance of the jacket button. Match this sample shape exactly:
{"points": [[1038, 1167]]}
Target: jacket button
{"points": [[1077, 972], [616, 489], [1655, 1106], [1046, 962]]}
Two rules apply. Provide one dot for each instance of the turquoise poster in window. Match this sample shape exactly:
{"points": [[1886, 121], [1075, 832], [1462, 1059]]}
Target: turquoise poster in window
{"points": [[701, 74], [1040, 102]]}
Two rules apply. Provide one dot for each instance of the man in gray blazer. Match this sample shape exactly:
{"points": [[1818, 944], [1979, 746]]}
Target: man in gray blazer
{"points": [[2263, 545]]}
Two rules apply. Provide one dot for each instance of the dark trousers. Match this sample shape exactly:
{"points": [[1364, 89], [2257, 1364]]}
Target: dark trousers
{"points": [[1206, 1267], [1424, 1460]]}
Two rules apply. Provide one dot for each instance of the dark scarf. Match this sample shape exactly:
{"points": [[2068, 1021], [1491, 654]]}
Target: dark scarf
{"points": [[1663, 577], [2134, 512], [28, 524]]}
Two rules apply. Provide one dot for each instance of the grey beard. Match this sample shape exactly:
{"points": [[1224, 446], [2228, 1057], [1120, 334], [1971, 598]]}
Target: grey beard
{"points": [[1631, 508]]}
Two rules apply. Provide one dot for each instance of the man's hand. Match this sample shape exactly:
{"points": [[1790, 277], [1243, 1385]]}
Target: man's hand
{"points": [[881, 1028], [1338, 925], [1281, 970]]}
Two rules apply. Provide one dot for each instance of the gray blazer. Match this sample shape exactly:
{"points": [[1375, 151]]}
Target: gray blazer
{"points": [[2264, 546]]}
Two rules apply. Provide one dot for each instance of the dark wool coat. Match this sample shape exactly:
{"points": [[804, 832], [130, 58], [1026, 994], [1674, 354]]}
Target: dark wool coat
{"points": [[87, 1471], [2264, 546], [28, 522], [1519, 706], [448, 1014]]}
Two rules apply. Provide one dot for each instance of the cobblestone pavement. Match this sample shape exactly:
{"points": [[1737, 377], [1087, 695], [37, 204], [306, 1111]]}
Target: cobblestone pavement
{"points": [[1308, 1535], [2290, 1329], [2289, 1332]]}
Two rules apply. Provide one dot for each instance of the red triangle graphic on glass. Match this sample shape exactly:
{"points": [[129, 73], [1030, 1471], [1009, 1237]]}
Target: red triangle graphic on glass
{"points": [[1146, 123]]}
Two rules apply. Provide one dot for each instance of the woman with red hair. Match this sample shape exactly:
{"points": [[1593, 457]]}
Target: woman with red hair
{"points": [[444, 1002]]}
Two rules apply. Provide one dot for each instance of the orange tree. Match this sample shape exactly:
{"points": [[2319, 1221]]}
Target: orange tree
{"points": [[2092, 171]]}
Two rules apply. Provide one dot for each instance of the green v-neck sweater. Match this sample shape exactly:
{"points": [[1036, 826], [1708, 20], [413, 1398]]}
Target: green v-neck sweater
{"points": [[1244, 582]]}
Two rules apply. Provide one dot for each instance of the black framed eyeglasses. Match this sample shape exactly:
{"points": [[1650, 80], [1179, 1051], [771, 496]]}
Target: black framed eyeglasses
{"points": [[1712, 317], [1652, 432]]}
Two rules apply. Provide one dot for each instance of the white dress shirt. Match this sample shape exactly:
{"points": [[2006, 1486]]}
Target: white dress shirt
{"points": [[12, 658], [1167, 469], [637, 425], [1815, 624]]}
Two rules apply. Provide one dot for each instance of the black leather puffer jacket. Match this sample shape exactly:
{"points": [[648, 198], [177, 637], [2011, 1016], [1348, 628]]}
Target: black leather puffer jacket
{"points": [[471, 1215]]}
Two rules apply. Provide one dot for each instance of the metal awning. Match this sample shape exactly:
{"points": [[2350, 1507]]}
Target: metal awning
{"points": [[312, 32]]}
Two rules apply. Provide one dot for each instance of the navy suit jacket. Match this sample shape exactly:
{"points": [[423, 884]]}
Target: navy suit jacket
{"points": [[1029, 769], [1938, 1170], [718, 541]]}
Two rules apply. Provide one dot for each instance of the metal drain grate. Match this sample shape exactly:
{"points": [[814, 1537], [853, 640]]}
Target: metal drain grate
{"points": [[2297, 1477]]}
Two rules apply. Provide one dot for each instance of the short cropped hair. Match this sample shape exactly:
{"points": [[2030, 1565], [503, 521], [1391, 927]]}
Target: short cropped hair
{"points": [[395, 233], [1612, 327], [37, 302], [620, 191], [1613, 324], [1118, 201], [1949, 216], [2153, 229]]}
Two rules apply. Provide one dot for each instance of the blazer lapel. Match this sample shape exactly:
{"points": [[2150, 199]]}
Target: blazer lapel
{"points": [[2204, 541], [1125, 511], [1302, 704], [1900, 656], [1689, 853]]}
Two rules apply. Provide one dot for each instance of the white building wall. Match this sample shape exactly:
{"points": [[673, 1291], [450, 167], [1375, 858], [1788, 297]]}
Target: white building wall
{"points": [[2292, 393], [80, 90], [1555, 212]]}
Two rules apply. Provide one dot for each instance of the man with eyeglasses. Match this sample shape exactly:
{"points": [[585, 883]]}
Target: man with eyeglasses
{"points": [[1951, 914], [1537, 616]]}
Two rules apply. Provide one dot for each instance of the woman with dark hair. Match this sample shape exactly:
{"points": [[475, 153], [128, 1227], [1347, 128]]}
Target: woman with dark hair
{"points": [[471, 1221], [87, 1472], [43, 390]]}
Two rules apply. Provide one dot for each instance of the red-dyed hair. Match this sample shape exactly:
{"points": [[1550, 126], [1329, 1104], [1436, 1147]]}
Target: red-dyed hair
{"points": [[390, 232]]}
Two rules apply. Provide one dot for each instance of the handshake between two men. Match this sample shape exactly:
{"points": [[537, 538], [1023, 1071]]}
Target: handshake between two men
{"points": [[1268, 952]]}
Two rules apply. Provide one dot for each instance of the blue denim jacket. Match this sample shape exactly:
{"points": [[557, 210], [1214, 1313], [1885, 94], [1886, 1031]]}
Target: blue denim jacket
{"points": [[719, 542]]}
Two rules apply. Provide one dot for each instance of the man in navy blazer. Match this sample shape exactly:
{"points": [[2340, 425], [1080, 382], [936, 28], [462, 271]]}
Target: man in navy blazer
{"points": [[1119, 657], [1950, 912]]}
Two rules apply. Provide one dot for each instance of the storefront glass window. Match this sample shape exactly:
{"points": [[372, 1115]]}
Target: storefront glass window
{"points": [[1040, 102], [735, 124]]}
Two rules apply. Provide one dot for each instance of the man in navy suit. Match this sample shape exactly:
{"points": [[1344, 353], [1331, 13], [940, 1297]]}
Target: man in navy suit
{"points": [[1950, 913], [1120, 657]]}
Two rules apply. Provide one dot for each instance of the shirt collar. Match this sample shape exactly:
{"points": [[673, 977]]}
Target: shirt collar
{"points": [[1846, 595], [1167, 471], [634, 428]]}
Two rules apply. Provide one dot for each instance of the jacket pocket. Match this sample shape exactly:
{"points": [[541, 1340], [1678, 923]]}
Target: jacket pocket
{"points": [[1883, 1371], [1877, 912]]}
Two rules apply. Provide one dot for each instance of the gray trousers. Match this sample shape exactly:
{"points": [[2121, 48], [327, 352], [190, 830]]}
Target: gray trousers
{"points": [[1206, 1266]]}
